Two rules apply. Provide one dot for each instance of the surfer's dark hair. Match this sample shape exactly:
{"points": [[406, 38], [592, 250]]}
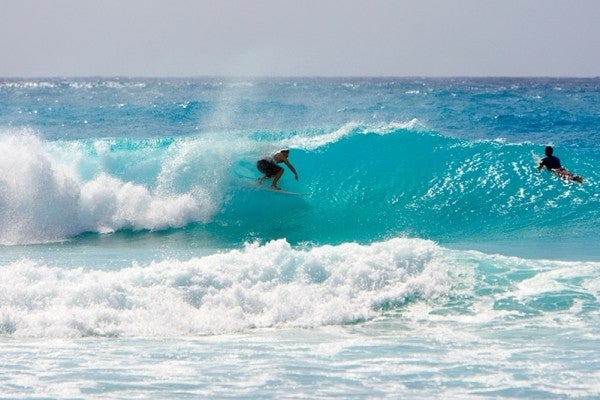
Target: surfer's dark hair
{"points": [[549, 150]]}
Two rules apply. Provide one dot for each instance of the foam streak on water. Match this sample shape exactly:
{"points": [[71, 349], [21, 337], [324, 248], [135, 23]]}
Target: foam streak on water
{"points": [[378, 360]]}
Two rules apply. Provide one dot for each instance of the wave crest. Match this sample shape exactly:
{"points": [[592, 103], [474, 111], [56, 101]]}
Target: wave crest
{"points": [[396, 178], [44, 198]]}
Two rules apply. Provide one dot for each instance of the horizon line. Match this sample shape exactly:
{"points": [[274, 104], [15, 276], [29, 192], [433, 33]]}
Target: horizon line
{"points": [[209, 76]]}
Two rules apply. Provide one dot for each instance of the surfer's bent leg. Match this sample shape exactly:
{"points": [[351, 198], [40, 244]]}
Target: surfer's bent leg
{"points": [[277, 177]]}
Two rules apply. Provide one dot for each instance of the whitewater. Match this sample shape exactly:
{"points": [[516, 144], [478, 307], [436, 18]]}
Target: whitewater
{"points": [[427, 257]]}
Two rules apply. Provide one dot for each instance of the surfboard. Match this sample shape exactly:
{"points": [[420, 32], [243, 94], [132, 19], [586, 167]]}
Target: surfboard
{"points": [[567, 175], [280, 191], [561, 173], [253, 183]]}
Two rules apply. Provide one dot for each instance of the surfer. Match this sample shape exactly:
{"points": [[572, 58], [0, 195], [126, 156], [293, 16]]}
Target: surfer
{"points": [[268, 166], [552, 163]]}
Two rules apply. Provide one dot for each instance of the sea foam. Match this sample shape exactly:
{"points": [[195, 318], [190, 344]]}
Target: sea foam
{"points": [[44, 198], [259, 286], [277, 285]]}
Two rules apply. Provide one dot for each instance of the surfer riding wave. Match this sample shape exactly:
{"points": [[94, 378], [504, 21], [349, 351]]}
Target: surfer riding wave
{"points": [[270, 170]]}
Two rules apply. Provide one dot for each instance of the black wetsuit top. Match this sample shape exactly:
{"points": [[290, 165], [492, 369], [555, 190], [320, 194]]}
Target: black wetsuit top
{"points": [[551, 162]]}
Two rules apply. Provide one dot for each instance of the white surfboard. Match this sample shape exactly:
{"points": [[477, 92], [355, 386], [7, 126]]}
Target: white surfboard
{"points": [[253, 182], [281, 191]]}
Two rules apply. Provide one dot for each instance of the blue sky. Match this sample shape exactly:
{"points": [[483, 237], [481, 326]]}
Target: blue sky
{"points": [[40, 38]]}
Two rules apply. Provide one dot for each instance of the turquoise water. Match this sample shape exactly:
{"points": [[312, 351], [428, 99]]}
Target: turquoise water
{"points": [[428, 255]]}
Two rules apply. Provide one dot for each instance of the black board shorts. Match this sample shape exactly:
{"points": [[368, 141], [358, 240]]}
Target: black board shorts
{"points": [[268, 168]]}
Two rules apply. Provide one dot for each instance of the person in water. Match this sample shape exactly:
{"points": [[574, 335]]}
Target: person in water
{"points": [[268, 166], [552, 163]]}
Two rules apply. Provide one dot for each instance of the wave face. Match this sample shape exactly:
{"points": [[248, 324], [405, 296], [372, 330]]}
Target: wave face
{"points": [[360, 183]]}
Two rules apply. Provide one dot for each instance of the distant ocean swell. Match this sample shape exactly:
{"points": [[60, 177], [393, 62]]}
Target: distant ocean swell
{"points": [[393, 179]]}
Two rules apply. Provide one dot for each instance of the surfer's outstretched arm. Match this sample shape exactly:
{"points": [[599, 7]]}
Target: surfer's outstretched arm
{"points": [[291, 167]]}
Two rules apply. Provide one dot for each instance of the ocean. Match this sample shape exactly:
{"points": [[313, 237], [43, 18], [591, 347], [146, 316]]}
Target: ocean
{"points": [[425, 257]]}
